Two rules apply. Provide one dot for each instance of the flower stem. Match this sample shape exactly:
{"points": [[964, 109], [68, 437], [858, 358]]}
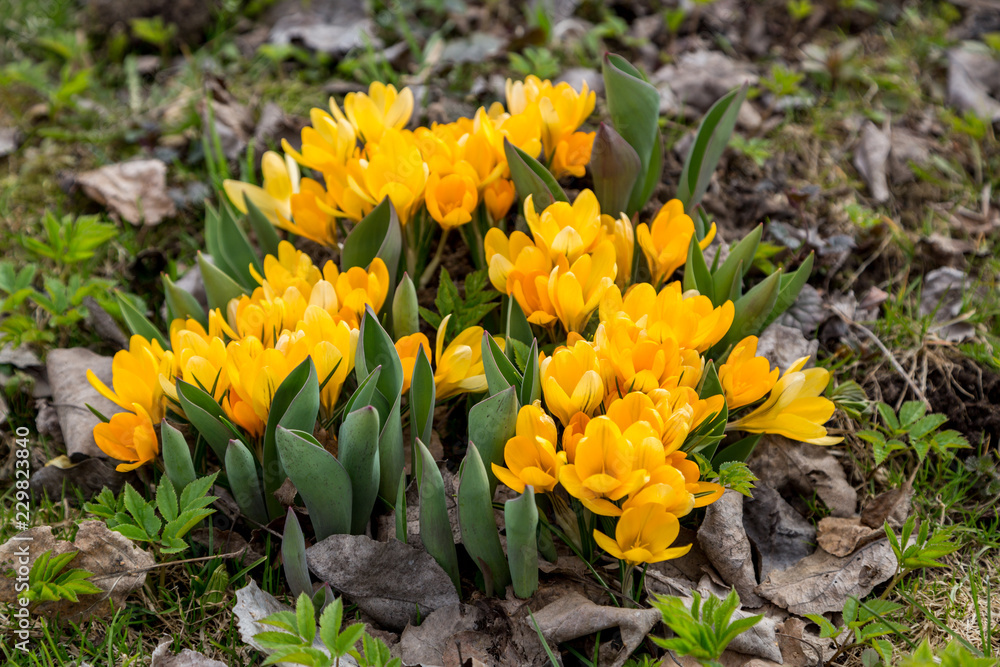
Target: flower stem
{"points": [[435, 262]]}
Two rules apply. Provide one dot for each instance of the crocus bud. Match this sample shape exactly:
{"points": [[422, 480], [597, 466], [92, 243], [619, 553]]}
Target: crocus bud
{"points": [[404, 309], [615, 166]]}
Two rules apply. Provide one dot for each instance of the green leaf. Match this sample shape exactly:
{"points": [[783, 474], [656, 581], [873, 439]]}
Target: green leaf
{"points": [[358, 453], [491, 424], [531, 178], [241, 470], [377, 235], [329, 623], [295, 405], [166, 500], [435, 528], [400, 508], [350, 636], [138, 324], [293, 556], [477, 524], [362, 396], [220, 289], [752, 310], [696, 273], [195, 494], [207, 416], [422, 398], [500, 372], [236, 249], [634, 107], [305, 617], [181, 303], [320, 479], [267, 236], [615, 167], [791, 285], [521, 519], [827, 629], [405, 309], [888, 416], [516, 326], [531, 384], [709, 143], [737, 264], [911, 411], [738, 451], [925, 425], [142, 512], [176, 457], [180, 526]]}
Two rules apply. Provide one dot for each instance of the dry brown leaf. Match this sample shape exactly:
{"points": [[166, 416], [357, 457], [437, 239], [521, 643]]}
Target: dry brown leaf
{"points": [[974, 81], [392, 582], [163, 657], [842, 536], [327, 26], [574, 616], [822, 582], [136, 191], [892, 506], [118, 566], [871, 157], [781, 535], [493, 632], [71, 393], [782, 346], [796, 470], [727, 546]]}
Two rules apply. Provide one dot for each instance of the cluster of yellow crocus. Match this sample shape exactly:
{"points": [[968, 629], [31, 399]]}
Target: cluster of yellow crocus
{"points": [[298, 311], [627, 397], [365, 153]]}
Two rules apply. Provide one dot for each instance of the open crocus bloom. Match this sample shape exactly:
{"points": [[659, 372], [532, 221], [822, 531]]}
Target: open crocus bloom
{"points": [[643, 535]]}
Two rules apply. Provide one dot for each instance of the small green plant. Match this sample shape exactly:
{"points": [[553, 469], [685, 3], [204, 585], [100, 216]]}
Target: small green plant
{"points": [[295, 641], [154, 31], [799, 10], [137, 519], [912, 429], [705, 630], [757, 149], [535, 60], [867, 625], [70, 240], [479, 301], [953, 655], [923, 551], [48, 582], [735, 475], [72, 81], [781, 81]]}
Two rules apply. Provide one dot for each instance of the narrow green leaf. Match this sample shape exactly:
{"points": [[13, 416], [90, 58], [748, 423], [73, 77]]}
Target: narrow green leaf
{"points": [[500, 372], [615, 167], [181, 303], [207, 416], [422, 398], [405, 309], [377, 235], [531, 383], [166, 500], [321, 480], [241, 470], [435, 528], [357, 449], [362, 396], [400, 508], [219, 287], [696, 273], [752, 311], [737, 263], [236, 248], [267, 237], [531, 178], [295, 405], [176, 457], [738, 451], [492, 422], [138, 324], [710, 142], [521, 519], [478, 525], [791, 285], [293, 556]]}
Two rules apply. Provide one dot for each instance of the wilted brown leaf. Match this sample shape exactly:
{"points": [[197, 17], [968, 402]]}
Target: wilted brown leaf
{"points": [[71, 393], [392, 582], [118, 567], [164, 657], [136, 191], [871, 157], [725, 543], [796, 470], [782, 536]]}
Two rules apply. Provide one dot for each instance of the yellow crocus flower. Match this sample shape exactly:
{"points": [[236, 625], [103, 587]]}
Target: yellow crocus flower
{"points": [[499, 197], [281, 181], [795, 408], [745, 377], [643, 535], [128, 437], [571, 382], [136, 377], [521, 269], [460, 365], [704, 493], [256, 372], [607, 464], [451, 199], [572, 155], [666, 487], [327, 144], [531, 455], [574, 430], [311, 217], [631, 361], [407, 348], [620, 231], [565, 229], [357, 288], [291, 268], [332, 346], [576, 291], [381, 110], [396, 170], [665, 241]]}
